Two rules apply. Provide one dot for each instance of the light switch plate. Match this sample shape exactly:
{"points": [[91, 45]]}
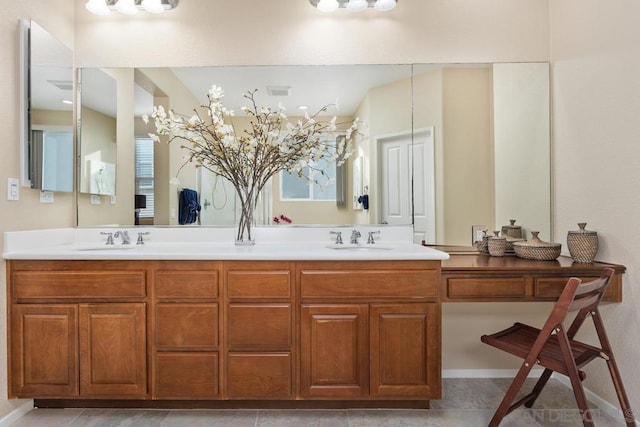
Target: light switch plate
{"points": [[95, 199], [112, 199], [13, 189], [46, 197], [477, 233]]}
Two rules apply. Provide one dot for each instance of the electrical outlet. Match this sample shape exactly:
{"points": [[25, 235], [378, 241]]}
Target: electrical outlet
{"points": [[46, 197], [477, 233], [95, 199], [112, 199], [13, 189]]}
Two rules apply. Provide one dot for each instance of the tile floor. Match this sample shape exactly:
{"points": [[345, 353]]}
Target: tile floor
{"points": [[465, 403]]}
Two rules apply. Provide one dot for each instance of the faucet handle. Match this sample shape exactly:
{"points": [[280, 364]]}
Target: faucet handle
{"points": [[140, 240], [370, 238], [109, 237], [338, 236]]}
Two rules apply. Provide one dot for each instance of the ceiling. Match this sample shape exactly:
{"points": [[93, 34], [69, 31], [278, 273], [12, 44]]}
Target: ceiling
{"points": [[316, 86]]}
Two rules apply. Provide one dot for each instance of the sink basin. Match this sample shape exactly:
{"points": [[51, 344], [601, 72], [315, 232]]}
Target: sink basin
{"points": [[100, 247], [359, 247]]}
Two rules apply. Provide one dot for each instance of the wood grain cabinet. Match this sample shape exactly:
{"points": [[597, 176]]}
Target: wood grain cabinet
{"points": [[259, 330], [186, 330], [66, 341], [212, 331], [370, 330]]}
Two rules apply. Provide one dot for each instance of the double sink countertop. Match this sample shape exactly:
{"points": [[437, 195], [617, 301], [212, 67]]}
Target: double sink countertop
{"points": [[285, 243]]}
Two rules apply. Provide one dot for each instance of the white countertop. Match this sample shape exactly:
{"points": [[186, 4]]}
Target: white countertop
{"points": [[273, 243]]}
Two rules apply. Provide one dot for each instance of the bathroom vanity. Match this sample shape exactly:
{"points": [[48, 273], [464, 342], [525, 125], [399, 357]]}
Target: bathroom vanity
{"points": [[201, 325], [165, 325]]}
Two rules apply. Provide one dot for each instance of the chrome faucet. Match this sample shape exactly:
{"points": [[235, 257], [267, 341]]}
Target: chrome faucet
{"points": [[109, 237], [370, 239], [124, 234], [140, 240], [338, 237], [355, 234]]}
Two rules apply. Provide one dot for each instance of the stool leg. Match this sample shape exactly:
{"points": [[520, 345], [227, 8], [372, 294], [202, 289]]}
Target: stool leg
{"points": [[537, 389], [622, 396], [576, 384], [503, 409]]}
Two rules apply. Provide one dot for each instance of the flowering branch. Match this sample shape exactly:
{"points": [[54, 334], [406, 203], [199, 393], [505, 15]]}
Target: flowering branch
{"points": [[271, 144]]}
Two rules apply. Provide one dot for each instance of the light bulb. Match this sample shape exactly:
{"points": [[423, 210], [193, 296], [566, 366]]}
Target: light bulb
{"points": [[356, 5], [328, 5], [384, 5], [128, 7], [99, 7], [153, 6]]}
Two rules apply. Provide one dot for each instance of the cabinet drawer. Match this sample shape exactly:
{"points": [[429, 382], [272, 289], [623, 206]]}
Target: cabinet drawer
{"points": [[551, 287], [369, 283], [259, 375], [186, 284], [78, 284], [186, 325], [186, 376], [486, 288], [259, 326], [259, 284]]}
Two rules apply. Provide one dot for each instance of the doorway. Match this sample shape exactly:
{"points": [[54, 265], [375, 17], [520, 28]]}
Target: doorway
{"points": [[407, 166]]}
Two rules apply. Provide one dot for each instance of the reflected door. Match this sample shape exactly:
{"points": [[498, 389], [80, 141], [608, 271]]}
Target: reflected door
{"points": [[424, 189], [395, 180]]}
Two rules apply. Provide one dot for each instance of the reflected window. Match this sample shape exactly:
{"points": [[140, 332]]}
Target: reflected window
{"points": [[144, 174], [317, 182], [300, 188]]}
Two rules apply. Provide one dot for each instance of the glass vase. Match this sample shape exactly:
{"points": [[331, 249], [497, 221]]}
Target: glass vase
{"points": [[245, 221]]}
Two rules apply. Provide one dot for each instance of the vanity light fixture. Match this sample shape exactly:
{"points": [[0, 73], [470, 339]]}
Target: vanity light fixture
{"points": [[354, 5], [129, 7]]}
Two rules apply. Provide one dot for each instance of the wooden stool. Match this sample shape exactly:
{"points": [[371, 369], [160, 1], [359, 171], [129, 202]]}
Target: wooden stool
{"points": [[555, 349]]}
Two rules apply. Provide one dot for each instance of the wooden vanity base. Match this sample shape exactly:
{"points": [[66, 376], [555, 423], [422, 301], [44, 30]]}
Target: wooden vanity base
{"points": [[232, 404]]}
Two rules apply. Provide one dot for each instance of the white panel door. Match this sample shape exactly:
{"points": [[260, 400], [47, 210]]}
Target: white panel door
{"points": [[395, 182], [407, 168], [424, 189]]}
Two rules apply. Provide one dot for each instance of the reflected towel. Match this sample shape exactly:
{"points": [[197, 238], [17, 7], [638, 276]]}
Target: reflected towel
{"points": [[188, 206]]}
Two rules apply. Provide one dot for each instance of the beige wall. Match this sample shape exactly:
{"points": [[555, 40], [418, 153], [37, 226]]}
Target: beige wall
{"points": [[522, 149], [52, 118], [203, 32], [56, 16], [114, 138], [596, 106], [467, 180]]}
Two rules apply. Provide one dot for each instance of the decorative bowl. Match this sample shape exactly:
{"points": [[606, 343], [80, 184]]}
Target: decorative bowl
{"points": [[537, 249]]}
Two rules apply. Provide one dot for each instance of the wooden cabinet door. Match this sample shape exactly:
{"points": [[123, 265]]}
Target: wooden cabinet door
{"points": [[405, 350], [334, 351], [44, 352], [113, 350]]}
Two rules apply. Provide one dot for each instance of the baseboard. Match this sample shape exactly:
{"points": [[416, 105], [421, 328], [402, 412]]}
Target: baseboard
{"points": [[600, 403], [12, 416], [486, 373]]}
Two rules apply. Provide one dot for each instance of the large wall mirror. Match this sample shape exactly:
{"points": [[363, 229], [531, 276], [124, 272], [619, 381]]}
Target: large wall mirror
{"points": [[47, 112], [445, 147]]}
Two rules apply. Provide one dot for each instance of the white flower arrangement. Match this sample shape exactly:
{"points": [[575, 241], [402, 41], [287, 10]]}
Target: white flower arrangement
{"points": [[250, 158]]}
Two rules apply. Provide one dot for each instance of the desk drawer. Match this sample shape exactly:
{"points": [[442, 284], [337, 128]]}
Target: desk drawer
{"points": [[510, 287], [551, 287], [78, 284]]}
